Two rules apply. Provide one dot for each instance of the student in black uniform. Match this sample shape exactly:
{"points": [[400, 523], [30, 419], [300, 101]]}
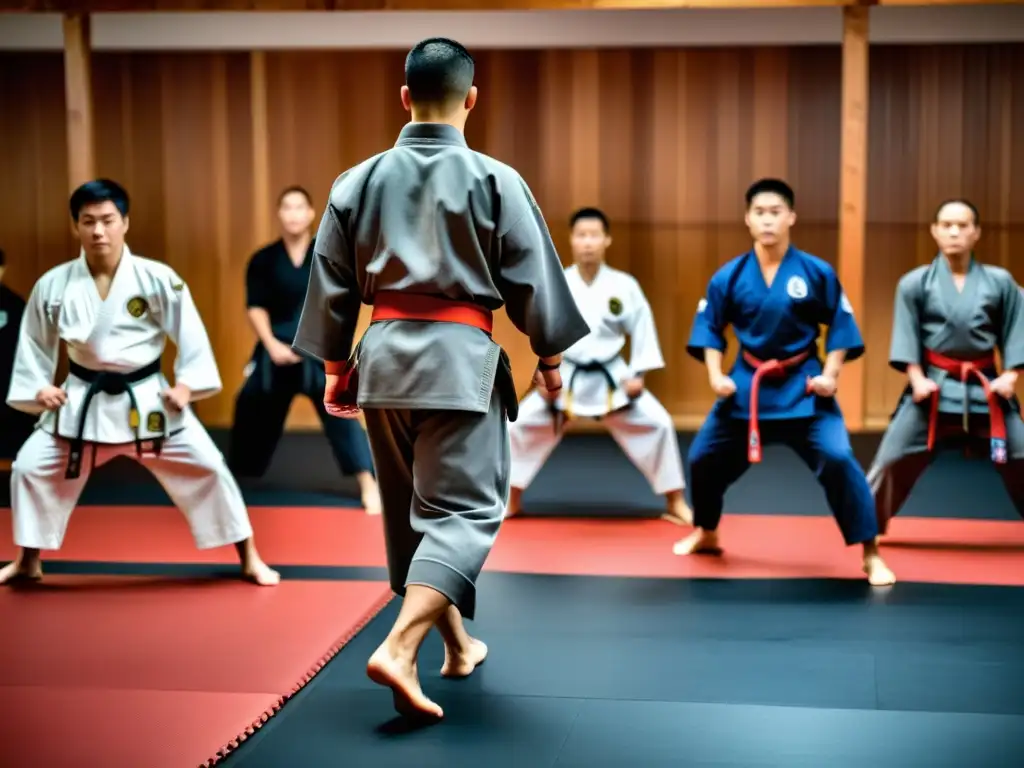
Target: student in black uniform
{"points": [[15, 426], [275, 283]]}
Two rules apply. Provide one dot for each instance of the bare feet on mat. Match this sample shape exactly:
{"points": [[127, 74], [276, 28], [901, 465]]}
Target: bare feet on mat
{"points": [[26, 567], [700, 541], [369, 494], [253, 567], [878, 573], [514, 507], [385, 668], [677, 511], [462, 662]]}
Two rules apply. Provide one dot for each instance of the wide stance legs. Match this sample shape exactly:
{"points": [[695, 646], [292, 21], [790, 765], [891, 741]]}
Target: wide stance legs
{"points": [[189, 467]]}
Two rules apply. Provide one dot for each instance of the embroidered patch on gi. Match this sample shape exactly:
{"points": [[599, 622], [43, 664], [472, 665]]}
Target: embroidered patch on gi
{"points": [[702, 305], [178, 287], [615, 306], [137, 306], [155, 422], [844, 302], [3, 319], [796, 288]]}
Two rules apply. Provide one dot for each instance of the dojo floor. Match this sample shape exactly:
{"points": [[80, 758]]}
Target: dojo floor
{"points": [[606, 650]]}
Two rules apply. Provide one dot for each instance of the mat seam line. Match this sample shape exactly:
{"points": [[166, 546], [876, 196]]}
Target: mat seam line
{"points": [[231, 746]]}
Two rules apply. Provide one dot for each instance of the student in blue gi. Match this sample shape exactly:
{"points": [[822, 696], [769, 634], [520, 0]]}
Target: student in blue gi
{"points": [[776, 297]]}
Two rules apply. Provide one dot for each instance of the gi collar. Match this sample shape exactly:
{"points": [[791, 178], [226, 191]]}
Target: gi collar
{"points": [[430, 133]]}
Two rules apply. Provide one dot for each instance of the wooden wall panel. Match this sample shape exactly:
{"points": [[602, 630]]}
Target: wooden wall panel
{"points": [[665, 140]]}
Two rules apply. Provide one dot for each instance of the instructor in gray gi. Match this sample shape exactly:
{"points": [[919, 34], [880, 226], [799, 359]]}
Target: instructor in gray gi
{"points": [[950, 319], [436, 237]]}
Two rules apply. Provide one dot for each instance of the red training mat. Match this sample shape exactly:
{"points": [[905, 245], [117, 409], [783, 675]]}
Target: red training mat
{"points": [[103, 671], [756, 546]]}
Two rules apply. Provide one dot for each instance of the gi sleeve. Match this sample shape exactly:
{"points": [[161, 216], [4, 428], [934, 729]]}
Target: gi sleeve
{"points": [[1011, 347], [195, 365], [905, 346], [330, 312], [708, 331], [843, 331], [645, 351], [257, 286], [532, 281], [35, 357]]}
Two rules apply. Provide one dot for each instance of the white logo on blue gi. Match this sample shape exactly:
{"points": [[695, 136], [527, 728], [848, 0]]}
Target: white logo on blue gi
{"points": [[844, 302], [3, 319], [796, 288], [702, 305]]}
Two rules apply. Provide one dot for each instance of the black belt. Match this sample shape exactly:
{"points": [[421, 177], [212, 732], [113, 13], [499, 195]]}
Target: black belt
{"points": [[595, 366], [111, 383]]}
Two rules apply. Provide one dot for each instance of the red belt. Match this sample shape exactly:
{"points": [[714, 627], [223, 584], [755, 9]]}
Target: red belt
{"points": [[964, 369], [771, 369], [395, 305]]}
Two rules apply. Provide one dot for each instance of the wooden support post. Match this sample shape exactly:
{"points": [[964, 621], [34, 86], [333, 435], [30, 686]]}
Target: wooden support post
{"points": [[263, 229], [853, 195], [78, 99]]}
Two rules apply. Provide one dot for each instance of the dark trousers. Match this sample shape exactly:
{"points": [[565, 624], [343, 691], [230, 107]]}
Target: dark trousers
{"points": [[261, 409], [718, 458]]}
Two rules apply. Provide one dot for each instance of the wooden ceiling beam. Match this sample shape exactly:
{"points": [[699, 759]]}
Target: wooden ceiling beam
{"points": [[107, 6]]}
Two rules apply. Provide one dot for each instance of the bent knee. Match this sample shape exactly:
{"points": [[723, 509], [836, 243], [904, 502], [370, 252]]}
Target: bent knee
{"points": [[838, 456]]}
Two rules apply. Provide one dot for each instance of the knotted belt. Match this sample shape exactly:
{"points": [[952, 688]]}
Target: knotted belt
{"points": [[594, 366], [111, 383], [397, 305], [965, 369], [773, 369]]}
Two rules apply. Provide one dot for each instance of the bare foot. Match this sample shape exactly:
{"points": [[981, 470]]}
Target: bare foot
{"points": [[260, 573], [457, 665], [371, 501], [879, 574], [22, 569], [410, 701], [515, 497], [677, 511], [697, 542]]}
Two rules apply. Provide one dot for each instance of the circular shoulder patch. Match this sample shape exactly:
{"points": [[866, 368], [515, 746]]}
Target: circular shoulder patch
{"points": [[137, 306], [702, 305], [615, 306], [844, 302]]}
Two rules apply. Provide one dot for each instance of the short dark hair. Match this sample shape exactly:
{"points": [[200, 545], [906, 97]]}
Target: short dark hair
{"points": [[438, 71], [590, 213], [771, 186], [99, 191], [959, 201], [294, 190]]}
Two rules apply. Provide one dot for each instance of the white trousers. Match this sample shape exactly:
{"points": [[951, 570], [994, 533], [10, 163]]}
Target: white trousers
{"points": [[644, 431], [190, 468]]}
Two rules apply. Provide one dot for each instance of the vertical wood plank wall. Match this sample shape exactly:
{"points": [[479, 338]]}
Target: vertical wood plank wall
{"points": [[665, 141]]}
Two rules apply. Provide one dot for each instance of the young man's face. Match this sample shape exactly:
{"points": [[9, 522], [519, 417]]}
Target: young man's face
{"points": [[769, 218], [101, 229], [589, 241]]}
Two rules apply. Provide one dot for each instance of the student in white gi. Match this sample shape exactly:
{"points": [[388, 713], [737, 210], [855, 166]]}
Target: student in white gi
{"points": [[115, 311], [598, 383]]}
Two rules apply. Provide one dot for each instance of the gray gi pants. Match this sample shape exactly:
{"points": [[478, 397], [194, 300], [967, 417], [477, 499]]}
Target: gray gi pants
{"points": [[444, 481]]}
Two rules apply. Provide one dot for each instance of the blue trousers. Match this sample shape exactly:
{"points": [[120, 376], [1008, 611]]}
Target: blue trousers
{"points": [[718, 458]]}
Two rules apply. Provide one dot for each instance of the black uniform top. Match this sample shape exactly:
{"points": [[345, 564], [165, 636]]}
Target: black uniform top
{"points": [[12, 307], [274, 283]]}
